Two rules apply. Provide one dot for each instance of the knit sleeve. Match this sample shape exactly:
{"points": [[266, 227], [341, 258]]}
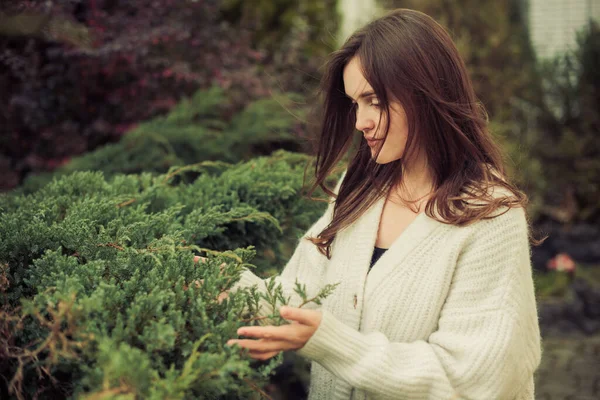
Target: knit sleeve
{"points": [[487, 343], [301, 266]]}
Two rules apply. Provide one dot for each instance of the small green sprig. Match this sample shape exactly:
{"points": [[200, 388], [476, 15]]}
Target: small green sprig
{"points": [[323, 293], [275, 298]]}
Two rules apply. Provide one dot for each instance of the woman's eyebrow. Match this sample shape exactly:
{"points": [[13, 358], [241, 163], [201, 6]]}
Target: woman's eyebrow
{"points": [[368, 93]]}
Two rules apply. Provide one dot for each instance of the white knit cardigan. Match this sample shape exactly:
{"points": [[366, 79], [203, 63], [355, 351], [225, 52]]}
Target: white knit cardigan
{"points": [[447, 312]]}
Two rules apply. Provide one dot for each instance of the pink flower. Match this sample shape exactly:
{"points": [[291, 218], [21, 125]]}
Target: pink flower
{"points": [[561, 262]]}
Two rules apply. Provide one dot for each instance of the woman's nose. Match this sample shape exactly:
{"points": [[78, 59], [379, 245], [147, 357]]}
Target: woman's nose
{"points": [[364, 122]]}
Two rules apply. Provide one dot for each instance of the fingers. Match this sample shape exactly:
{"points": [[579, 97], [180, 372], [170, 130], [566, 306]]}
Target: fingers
{"points": [[282, 332], [197, 283], [261, 345], [223, 296], [204, 259], [305, 317], [200, 282], [263, 356]]}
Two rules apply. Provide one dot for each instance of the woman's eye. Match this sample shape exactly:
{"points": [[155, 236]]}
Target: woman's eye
{"points": [[375, 104]]}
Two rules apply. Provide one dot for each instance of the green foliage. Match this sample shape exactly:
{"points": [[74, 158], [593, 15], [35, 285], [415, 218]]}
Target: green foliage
{"points": [[51, 27], [557, 284], [276, 22], [78, 74], [551, 284], [526, 171], [324, 292], [492, 38], [569, 122], [98, 276], [274, 298], [195, 130], [292, 38]]}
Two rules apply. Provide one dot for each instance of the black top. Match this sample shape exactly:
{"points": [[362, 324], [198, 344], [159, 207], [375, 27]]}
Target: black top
{"points": [[377, 252]]}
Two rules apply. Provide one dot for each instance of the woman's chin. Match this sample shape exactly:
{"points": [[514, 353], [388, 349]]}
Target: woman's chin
{"points": [[379, 159], [382, 159]]}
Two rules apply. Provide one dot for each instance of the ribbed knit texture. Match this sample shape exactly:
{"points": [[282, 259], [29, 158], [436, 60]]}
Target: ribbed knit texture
{"points": [[446, 313]]}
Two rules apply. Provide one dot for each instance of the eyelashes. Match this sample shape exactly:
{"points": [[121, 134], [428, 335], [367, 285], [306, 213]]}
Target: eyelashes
{"points": [[355, 105]]}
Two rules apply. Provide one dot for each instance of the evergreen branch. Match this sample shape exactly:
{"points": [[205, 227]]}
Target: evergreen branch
{"points": [[57, 343], [189, 364], [151, 249], [274, 296], [4, 282], [259, 215], [126, 203], [113, 245], [134, 280], [221, 253], [326, 291], [148, 249], [109, 393], [257, 389], [256, 319], [193, 167]]}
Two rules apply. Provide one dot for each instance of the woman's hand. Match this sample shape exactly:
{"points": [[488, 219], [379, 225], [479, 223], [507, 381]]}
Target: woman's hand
{"points": [[203, 259], [198, 283], [273, 339]]}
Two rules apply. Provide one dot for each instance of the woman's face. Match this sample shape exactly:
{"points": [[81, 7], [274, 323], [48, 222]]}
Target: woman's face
{"points": [[368, 112]]}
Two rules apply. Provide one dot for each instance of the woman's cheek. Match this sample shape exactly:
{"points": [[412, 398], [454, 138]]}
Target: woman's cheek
{"points": [[389, 152]]}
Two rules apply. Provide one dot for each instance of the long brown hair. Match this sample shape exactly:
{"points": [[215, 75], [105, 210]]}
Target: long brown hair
{"points": [[407, 54]]}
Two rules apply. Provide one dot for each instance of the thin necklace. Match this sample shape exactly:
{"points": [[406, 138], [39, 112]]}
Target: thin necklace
{"points": [[419, 199]]}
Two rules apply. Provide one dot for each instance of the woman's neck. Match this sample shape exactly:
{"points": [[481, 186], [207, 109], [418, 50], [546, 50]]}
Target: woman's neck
{"points": [[417, 183]]}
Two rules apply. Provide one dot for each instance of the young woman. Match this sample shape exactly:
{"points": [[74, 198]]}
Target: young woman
{"points": [[427, 238]]}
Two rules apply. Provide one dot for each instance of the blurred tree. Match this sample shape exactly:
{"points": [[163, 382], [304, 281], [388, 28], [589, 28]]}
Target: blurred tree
{"points": [[62, 97], [492, 37], [44, 26], [294, 36], [274, 21], [569, 122], [195, 130], [79, 74]]}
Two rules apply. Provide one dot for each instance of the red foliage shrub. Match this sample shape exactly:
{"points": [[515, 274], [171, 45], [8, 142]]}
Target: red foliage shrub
{"points": [[61, 99]]}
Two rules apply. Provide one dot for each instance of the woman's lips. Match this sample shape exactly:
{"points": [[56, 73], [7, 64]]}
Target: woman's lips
{"points": [[372, 143]]}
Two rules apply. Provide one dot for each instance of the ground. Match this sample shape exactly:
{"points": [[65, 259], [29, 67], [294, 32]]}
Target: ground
{"points": [[570, 369]]}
